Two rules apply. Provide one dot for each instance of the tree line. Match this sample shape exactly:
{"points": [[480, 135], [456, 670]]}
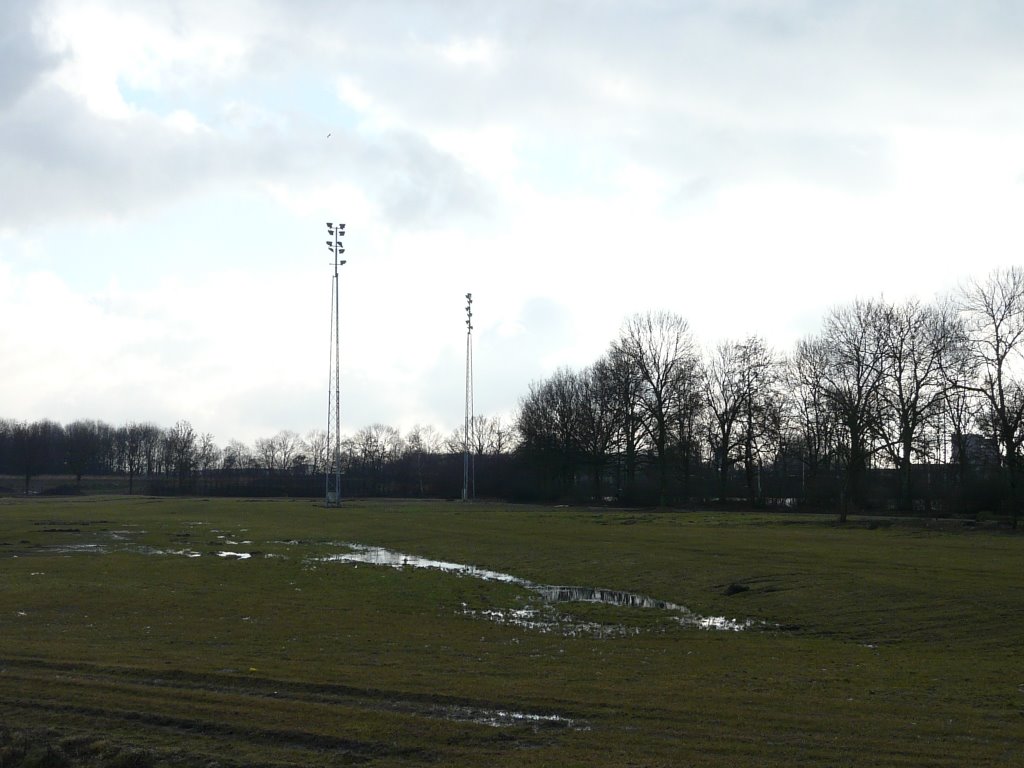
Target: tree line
{"points": [[915, 406], [376, 460], [907, 406]]}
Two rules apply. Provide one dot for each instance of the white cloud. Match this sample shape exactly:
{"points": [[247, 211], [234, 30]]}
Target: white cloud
{"points": [[476, 52], [184, 121], [142, 48]]}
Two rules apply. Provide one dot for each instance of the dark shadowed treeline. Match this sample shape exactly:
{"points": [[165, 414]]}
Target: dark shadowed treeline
{"points": [[909, 406], [916, 407], [376, 461]]}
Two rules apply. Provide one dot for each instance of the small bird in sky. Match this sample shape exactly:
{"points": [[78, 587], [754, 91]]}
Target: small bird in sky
{"points": [[328, 135]]}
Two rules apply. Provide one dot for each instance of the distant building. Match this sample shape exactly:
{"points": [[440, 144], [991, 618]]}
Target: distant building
{"points": [[978, 451]]}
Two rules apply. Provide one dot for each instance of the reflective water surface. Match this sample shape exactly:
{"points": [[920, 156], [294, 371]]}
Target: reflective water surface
{"points": [[542, 618]]}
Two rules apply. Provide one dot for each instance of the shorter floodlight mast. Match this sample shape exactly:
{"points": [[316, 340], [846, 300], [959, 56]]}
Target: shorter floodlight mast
{"points": [[468, 473], [332, 492]]}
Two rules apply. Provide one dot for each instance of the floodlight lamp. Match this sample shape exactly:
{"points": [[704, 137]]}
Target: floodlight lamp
{"points": [[329, 225]]}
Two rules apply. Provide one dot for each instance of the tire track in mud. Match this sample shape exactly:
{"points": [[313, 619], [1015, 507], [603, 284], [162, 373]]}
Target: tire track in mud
{"points": [[214, 688], [348, 750]]}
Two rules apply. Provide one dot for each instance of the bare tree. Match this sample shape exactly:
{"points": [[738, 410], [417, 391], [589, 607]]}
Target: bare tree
{"points": [[628, 419], [916, 342], [265, 451], [376, 447], [760, 409], [851, 381], [489, 435], [289, 446], [548, 425], [316, 448], [658, 345], [454, 444], [82, 440], [425, 439], [36, 446], [993, 312], [152, 442], [685, 438], [236, 456], [962, 406], [597, 427], [504, 438], [422, 444], [180, 450], [208, 455], [811, 419], [277, 453], [482, 434], [130, 442], [723, 396]]}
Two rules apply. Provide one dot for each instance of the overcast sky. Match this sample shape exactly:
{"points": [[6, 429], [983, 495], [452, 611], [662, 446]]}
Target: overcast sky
{"points": [[166, 170]]}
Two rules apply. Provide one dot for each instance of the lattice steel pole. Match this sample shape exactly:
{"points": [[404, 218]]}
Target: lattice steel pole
{"points": [[468, 473], [332, 481]]}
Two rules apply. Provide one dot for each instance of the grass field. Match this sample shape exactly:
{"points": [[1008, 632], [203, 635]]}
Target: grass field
{"points": [[876, 645]]}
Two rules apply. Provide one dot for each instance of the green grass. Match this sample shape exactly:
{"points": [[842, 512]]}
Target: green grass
{"points": [[883, 646]]}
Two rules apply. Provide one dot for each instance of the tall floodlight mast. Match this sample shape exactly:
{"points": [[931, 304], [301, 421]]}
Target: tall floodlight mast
{"points": [[332, 482], [468, 474]]}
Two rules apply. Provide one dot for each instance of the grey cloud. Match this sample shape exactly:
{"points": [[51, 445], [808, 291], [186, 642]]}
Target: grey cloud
{"points": [[730, 92], [420, 186], [21, 60], [58, 156], [62, 158], [719, 158], [800, 87]]}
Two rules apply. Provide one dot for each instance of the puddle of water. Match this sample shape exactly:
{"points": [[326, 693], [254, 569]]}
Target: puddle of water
{"points": [[500, 718], [719, 623], [381, 556], [496, 718], [606, 596], [67, 549], [235, 555], [530, 618], [180, 552], [548, 621]]}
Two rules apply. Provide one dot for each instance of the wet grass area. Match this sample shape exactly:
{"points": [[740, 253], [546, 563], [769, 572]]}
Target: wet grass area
{"points": [[545, 618], [200, 632]]}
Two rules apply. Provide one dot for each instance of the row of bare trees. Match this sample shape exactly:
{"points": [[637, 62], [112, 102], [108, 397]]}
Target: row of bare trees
{"points": [[173, 459], [879, 393], [882, 386], [88, 447]]}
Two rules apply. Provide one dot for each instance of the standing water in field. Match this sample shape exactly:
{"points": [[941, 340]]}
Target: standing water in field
{"points": [[551, 594]]}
